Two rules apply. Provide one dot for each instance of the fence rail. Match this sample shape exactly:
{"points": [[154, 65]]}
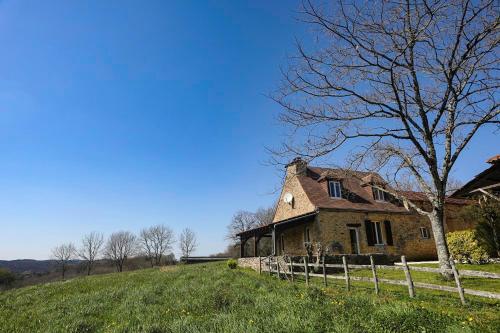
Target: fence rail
{"points": [[464, 272], [274, 266]]}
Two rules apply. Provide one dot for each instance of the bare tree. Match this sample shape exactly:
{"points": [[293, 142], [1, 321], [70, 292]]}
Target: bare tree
{"points": [[265, 216], [63, 254], [407, 84], [187, 242], [245, 220], [241, 221], [155, 242], [119, 247], [90, 247]]}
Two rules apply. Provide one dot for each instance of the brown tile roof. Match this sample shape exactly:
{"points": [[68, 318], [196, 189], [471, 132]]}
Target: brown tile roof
{"points": [[420, 196], [357, 196]]}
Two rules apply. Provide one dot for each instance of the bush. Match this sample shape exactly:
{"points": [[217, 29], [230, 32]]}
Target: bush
{"points": [[465, 247], [487, 216], [6, 277], [232, 264]]}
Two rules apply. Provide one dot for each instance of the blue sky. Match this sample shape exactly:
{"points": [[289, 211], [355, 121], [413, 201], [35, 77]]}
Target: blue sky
{"points": [[117, 115]]}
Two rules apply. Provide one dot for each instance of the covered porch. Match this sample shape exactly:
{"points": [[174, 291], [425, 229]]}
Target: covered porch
{"points": [[270, 232], [254, 236]]}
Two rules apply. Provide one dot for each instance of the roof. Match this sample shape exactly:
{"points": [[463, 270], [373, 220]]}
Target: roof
{"points": [[494, 159], [359, 196], [421, 196], [488, 178], [307, 217]]}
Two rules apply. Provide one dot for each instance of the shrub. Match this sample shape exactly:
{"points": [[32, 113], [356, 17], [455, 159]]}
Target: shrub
{"points": [[487, 216], [464, 246], [6, 277], [232, 264]]}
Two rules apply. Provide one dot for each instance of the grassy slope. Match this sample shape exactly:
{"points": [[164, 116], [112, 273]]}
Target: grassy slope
{"points": [[212, 298]]}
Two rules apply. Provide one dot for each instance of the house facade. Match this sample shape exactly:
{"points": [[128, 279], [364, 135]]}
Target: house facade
{"points": [[341, 212]]}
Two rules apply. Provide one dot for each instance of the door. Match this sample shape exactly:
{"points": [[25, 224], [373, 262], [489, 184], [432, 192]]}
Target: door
{"points": [[353, 233]]}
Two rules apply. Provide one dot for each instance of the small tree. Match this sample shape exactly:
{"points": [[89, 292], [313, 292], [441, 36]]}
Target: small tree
{"points": [[188, 243], [89, 249], [155, 242], [487, 213], [63, 254], [119, 247], [6, 277]]}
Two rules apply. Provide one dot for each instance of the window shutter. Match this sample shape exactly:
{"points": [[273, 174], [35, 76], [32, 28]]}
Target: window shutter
{"points": [[388, 232], [370, 234]]}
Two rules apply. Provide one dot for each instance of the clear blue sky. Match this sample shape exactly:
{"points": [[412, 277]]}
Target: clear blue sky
{"points": [[117, 115]]}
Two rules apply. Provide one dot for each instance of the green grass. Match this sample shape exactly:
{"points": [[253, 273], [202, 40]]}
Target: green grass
{"points": [[213, 298], [493, 268], [468, 282]]}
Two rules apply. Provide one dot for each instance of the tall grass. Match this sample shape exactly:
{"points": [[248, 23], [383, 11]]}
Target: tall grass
{"points": [[214, 298]]}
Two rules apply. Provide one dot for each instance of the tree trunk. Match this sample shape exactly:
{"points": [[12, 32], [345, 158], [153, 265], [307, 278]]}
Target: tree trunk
{"points": [[437, 223], [88, 268]]}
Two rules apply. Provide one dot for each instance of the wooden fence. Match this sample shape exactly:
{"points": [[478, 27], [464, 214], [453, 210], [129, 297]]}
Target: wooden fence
{"points": [[274, 266]]}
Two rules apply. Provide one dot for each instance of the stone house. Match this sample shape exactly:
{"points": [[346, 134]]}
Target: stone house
{"points": [[341, 212]]}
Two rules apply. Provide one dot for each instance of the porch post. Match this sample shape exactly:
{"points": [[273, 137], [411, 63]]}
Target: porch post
{"points": [[242, 247], [274, 240]]}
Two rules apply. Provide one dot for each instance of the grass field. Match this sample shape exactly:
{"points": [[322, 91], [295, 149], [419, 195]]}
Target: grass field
{"points": [[213, 298], [476, 283]]}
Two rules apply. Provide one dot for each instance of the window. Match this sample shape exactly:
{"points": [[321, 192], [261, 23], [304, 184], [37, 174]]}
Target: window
{"points": [[378, 234], [378, 194], [307, 236], [282, 244], [374, 233], [424, 232], [388, 233], [335, 189]]}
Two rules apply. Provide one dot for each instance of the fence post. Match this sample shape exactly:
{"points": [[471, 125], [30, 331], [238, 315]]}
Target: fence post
{"points": [[411, 288], [457, 280], [277, 268], [374, 271], [269, 265], [260, 265], [346, 273], [324, 272], [291, 268], [306, 270]]}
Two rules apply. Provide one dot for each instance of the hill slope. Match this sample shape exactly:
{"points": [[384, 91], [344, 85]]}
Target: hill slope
{"points": [[30, 265], [212, 298]]}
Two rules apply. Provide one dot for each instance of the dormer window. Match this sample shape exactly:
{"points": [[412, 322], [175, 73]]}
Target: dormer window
{"points": [[334, 189], [378, 194]]}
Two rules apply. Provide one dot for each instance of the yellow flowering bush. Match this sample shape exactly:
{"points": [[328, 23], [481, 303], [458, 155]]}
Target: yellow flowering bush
{"points": [[465, 247]]}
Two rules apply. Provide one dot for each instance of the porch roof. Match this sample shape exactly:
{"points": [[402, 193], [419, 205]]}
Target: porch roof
{"points": [[260, 231]]}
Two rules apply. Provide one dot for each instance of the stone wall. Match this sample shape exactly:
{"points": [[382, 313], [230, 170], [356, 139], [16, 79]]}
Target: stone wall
{"points": [[250, 262], [332, 228], [253, 263], [301, 203]]}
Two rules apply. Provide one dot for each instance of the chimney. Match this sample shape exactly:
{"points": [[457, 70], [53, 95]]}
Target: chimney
{"points": [[296, 167]]}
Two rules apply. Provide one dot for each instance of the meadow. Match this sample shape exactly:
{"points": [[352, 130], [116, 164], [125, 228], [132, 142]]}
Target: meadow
{"points": [[214, 298]]}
